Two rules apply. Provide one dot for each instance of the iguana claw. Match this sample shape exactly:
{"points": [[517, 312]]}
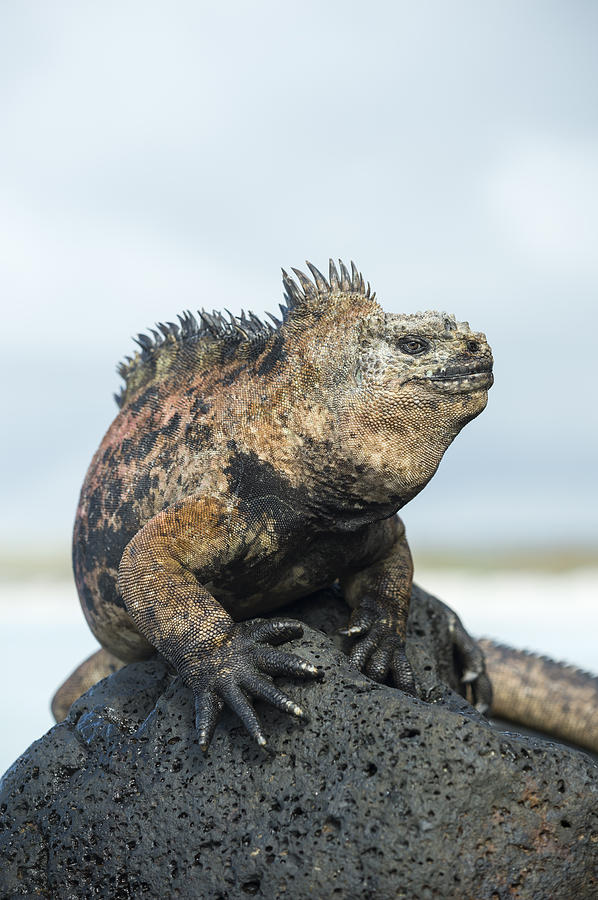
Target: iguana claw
{"points": [[470, 658], [381, 650]]}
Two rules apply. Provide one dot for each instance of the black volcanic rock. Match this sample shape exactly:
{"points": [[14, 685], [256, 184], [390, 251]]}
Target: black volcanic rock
{"points": [[378, 796]]}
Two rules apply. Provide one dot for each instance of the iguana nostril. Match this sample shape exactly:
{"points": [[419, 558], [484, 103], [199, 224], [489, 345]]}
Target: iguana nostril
{"points": [[473, 346]]}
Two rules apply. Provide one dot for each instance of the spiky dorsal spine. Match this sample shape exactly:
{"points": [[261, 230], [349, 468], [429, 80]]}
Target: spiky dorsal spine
{"points": [[307, 297], [212, 334], [217, 337]]}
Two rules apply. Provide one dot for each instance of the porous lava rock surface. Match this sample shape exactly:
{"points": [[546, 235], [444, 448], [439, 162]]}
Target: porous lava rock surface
{"points": [[379, 796]]}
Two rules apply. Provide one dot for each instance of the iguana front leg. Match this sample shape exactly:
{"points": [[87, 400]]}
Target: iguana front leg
{"points": [[161, 578], [380, 595]]}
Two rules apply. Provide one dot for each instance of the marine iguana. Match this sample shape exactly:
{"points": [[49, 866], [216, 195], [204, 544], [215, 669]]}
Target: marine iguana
{"points": [[251, 464]]}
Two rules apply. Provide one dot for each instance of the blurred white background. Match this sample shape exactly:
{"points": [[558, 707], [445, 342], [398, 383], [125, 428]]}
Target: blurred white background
{"points": [[162, 156]]}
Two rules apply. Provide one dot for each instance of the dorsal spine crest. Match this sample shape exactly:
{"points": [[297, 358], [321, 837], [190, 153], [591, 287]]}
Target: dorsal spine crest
{"points": [[245, 335]]}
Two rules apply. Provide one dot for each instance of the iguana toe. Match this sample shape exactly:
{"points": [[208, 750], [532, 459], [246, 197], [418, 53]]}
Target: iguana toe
{"points": [[208, 706], [382, 652]]}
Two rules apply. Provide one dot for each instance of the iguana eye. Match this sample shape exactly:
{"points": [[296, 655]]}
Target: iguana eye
{"points": [[413, 345]]}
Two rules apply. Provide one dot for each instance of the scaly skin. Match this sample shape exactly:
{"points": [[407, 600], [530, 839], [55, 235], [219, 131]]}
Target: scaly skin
{"points": [[250, 465], [543, 694]]}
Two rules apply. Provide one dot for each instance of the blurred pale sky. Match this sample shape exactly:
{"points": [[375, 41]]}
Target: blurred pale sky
{"points": [[162, 156]]}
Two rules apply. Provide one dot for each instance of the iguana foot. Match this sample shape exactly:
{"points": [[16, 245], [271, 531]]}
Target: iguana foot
{"points": [[240, 667], [381, 649], [472, 664]]}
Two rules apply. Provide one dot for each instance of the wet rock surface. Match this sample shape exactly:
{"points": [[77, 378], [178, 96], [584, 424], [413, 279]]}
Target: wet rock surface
{"points": [[379, 796]]}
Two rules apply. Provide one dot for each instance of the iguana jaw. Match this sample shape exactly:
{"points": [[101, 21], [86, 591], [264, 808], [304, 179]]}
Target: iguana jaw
{"points": [[454, 380]]}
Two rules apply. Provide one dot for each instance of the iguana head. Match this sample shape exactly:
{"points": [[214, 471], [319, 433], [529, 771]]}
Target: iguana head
{"points": [[426, 360], [380, 394], [399, 387]]}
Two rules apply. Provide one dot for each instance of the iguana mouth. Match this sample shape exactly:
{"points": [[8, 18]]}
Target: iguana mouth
{"points": [[460, 371], [459, 379]]}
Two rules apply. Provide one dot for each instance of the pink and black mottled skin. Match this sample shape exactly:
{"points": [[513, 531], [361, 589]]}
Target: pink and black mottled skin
{"points": [[250, 465]]}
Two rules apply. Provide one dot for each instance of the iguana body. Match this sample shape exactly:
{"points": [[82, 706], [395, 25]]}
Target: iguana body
{"points": [[250, 465]]}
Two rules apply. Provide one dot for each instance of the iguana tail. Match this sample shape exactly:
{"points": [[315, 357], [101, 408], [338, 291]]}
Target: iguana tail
{"points": [[543, 694], [99, 665]]}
